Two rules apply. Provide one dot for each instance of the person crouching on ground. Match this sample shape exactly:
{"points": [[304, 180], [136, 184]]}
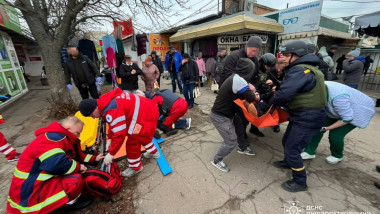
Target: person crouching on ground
{"points": [[45, 177], [190, 75], [128, 115], [224, 109], [173, 106], [150, 74], [346, 109]]}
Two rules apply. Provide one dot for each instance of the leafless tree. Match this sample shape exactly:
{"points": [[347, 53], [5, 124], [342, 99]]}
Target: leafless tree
{"points": [[54, 22]]}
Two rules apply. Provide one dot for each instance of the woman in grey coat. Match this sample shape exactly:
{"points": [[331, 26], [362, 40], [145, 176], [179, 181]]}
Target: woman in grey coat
{"points": [[353, 68]]}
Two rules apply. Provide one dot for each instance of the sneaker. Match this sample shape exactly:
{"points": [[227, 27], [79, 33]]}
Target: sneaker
{"points": [[130, 172], [15, 158], [221, 166], [292, 186], [247, 151], [377, 184], [188, 123], [155, 155], [281, 164], [306, 156], [333, 160]]}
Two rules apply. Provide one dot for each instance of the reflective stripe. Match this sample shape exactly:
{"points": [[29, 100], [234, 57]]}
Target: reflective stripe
{"points": [[149, 145], [72, 168], [87, 159], [23, 175], [298, 169], [4, 147], [50, 153], [8, 151], [119, 128], [135, 165], [135, 114], [151, 150], [119, 119], [133, 160], [1, 116], [39, 206]]}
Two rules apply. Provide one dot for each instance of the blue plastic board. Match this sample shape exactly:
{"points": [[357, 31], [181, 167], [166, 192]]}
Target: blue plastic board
{"points": [[161, 161]]}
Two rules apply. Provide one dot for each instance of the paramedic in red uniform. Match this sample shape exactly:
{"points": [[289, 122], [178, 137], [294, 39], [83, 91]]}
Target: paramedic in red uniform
{"points": [[128, 115], [45, 177], [5, 148]]}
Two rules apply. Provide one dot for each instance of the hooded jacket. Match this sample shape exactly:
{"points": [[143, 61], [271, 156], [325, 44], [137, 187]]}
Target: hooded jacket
{"points": [[177, 59], [327, 58], [35, 186], [89, 68], [235, 87], [353, 70], [128, 115]]}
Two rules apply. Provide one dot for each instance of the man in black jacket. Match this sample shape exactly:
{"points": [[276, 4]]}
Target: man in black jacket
{"points": [[220, 65], [224, 109], [128, 73], [157, 61], [303, 91], [323, 66], [189, 76], [83, 71]]}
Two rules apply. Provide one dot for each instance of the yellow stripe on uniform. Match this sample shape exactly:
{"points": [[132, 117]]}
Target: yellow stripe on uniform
{"points": [[23, 175], [39, 206], [72, 168], [88, 158], [298, 169], [50, 153], [307, 71]]}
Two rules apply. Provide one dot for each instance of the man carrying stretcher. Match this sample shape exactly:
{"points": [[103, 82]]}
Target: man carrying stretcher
{"points": [[128, 115]]}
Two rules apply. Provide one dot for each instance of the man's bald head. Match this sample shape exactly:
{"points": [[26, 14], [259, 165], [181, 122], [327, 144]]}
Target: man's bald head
{"points": [[74, 125]]}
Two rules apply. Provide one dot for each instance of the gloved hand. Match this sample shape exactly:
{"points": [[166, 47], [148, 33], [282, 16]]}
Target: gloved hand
{"points": [[69, 86], [108, 144], [108, 159], [99, 79]]}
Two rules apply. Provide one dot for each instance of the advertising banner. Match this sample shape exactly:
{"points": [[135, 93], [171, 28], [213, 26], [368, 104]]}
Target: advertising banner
{"points": [[160, 43], [301, 18], [9, 17]]}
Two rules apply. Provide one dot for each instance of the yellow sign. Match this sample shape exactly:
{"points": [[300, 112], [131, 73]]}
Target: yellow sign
{"points": [[160, 43], [378, 71]]}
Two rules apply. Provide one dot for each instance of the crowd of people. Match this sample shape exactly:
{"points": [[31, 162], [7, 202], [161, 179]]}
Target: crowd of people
{"points": [[298, 80]]}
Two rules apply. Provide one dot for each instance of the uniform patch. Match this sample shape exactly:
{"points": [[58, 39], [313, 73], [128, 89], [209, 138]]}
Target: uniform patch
{"points": [[55, 136], [109, 118], [137, 129], [307, 71]]}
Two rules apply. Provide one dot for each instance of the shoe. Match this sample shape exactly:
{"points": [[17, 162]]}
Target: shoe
{"points": [[130, 172], [15, 158], [154, 156], [292, 186], [221, 166], [377, 184], [256, 131], [157, 135], [276, 128], [378, 103], [378, 168], [171, 132], [281, 164], [165, 129], [180, 92], [333, 160], [306, 156], [247, 151], [191, 106], [188, 123]]}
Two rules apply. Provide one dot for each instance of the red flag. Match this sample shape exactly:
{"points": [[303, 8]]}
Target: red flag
{"points": [[126, 27]]}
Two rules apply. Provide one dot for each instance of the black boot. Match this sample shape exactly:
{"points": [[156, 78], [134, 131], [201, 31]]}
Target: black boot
{"points": [[292, 186], [166, 130], [378, 103], [157, 135], [276, 128], [378, 168], [377, 184], [256, 131], [281, 164]]}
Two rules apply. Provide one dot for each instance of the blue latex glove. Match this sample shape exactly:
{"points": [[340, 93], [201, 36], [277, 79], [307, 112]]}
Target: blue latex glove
{"points": [[99, 79], [69, 86]]}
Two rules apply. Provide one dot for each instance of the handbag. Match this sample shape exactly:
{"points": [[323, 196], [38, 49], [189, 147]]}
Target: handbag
{"points": [[204, 78], [196, 92], [214, 86]]}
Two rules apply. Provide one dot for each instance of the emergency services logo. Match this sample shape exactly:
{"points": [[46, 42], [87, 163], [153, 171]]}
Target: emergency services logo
{"points": [[293, 207], [109, 118]]}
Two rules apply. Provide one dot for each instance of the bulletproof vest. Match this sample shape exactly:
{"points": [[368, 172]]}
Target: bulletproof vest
{"points": [[169, 98], [316, 97]]}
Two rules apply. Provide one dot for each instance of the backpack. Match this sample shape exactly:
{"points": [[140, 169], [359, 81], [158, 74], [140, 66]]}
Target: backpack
{"points": [[102, 184]]}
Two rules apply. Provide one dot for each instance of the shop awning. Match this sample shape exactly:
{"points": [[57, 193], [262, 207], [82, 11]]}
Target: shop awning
{"points": [[320, 32], [368, 24], [229, 24]]}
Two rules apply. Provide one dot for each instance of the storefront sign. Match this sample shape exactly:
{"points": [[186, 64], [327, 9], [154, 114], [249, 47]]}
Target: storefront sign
{"points": [[20, 52], [242, 39], [160, 43], [301, 18], [9, 17]]}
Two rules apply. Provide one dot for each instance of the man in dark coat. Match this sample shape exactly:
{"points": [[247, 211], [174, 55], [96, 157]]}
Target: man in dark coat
{"points": [[157, 61], [339, 66], [220, 65], [189, 76], [303, 91], [128, 73], [83, 71], [332, 49]]}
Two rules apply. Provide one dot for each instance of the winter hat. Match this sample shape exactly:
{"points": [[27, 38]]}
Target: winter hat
{"points": [[354, 53], [254, 42], [87, 106], [172, 47], [186, 56], [245, 68], [154, 52]]}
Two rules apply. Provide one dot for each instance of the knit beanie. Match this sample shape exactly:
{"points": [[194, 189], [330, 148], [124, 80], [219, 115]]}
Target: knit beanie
{"points": [[254, 42], [354, 53], [87, 106]]}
